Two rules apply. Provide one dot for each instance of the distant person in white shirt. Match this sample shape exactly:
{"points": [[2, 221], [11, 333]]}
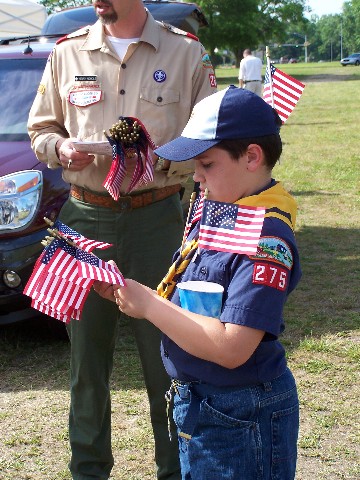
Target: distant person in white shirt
{"points": [[250, 73]]}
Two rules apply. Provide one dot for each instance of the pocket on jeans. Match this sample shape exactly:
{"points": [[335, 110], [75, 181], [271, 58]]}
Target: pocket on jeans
{"points": [[235, 445], [285, 428]]}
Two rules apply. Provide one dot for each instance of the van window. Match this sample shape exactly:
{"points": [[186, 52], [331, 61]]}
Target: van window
{"points": [[19, 81]]}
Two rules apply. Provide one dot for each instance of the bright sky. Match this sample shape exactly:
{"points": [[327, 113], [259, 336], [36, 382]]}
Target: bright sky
{"points": [[325, 7]]}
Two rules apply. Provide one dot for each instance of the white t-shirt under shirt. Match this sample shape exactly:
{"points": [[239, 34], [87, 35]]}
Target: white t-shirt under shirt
{"points": [[121, 44]]}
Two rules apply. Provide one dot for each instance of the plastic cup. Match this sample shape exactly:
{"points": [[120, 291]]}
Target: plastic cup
{"points": [[201, 297]]}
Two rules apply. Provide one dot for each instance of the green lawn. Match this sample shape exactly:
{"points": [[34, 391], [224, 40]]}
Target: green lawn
{"points": [[320, 166]]}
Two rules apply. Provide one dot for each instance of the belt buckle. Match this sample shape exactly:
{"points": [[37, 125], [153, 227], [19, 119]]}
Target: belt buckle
{"points": [[124, 203]]}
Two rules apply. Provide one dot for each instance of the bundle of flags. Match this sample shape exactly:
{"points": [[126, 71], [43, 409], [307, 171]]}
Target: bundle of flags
{"points": [[227, 227], [129, 139], [65, 272], [281, 91]]}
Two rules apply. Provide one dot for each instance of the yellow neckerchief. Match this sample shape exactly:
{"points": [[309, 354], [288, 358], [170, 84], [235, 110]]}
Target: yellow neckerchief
{"points": [[277, 202]]}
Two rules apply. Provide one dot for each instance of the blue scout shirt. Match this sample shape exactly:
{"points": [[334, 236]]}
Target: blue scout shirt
{"points": [[255, 291]]}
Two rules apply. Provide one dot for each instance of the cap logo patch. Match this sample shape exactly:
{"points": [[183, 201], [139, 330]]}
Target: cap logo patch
{"points": [[274, 249], [159, 76]]}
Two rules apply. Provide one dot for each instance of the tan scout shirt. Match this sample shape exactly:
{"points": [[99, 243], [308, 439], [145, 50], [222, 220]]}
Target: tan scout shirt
{"points": [[159, 81]]}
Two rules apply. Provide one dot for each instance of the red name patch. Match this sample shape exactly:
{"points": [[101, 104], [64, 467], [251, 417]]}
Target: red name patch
{"points": [[270, 275], [212, 80]]}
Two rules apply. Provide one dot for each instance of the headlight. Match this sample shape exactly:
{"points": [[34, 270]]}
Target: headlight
{"points": [[20, 195]]}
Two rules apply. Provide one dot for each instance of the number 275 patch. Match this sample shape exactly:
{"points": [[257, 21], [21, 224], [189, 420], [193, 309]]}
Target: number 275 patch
{"points": [[270, 275]]}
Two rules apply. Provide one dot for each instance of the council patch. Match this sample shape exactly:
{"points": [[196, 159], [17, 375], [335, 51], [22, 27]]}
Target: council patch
{"points": [[274, 249]]}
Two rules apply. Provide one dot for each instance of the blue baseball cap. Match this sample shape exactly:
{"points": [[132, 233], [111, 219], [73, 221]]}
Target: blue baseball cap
{"points": [[232, 113]]}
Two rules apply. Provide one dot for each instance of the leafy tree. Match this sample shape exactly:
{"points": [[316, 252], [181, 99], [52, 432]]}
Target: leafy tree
{"points": [[231, 25], [239, 24], [351, 27], [327, 37], [53, 5]]}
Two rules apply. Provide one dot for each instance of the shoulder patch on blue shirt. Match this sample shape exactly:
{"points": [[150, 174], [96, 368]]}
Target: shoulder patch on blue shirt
{"points": [[274, 249]]}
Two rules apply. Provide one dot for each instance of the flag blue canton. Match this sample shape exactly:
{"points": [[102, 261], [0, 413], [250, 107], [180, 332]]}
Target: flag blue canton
{"points": [[65, 229], [220, 215], [267, 73], [54, 245], [87, 258]]}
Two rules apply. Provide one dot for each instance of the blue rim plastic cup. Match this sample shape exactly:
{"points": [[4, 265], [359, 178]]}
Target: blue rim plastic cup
{"points": [[201, 297]]}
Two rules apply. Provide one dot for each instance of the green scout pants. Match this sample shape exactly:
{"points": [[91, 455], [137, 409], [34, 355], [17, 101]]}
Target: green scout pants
{"points": [[144, 240]]}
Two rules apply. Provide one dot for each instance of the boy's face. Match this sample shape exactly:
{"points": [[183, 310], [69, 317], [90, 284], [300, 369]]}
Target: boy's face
{"points": [[226, 179]]}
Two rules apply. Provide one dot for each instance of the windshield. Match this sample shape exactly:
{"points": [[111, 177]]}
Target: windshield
{"points": [[19, 81]]}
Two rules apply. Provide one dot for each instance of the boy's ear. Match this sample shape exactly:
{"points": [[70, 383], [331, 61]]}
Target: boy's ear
{"points": [[255, 157]]}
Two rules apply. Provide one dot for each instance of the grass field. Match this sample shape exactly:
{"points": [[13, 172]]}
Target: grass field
{"points": [[320, 166]]}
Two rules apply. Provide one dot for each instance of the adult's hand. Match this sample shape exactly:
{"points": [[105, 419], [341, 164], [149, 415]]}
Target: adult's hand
{"points": [[69, 158]]}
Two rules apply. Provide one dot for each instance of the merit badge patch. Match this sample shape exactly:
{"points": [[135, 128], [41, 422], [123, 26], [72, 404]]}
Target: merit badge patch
{"points": [[274, 249], [159, 76], [270, 275], [84, 98]]}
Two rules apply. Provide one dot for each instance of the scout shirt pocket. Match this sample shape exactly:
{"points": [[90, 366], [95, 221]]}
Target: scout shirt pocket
{"points": [[163, 115], [85, 104], [159, 108]]}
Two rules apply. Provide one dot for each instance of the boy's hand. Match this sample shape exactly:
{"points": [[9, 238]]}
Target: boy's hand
{"points": [[134, 299], [105, 290]]}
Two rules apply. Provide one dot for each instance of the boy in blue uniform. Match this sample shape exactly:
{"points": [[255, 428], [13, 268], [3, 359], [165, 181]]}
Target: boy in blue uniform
{"points": [[235, 400]]}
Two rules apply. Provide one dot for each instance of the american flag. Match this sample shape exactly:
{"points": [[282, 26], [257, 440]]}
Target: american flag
{"points": [[144, 169], [54, 285], [82, 242], [281, 91], [90, 266], [63, 276], [117, 172], [228, 227], [195, 214]]}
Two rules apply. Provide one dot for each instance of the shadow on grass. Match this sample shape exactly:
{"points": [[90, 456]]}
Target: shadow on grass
{"points": [[313, 193], [325, 302], [327, 299]]}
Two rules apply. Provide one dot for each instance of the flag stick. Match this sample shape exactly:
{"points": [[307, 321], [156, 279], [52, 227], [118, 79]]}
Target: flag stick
{"points": [[192, 200], [268, 67], [54, 232]]}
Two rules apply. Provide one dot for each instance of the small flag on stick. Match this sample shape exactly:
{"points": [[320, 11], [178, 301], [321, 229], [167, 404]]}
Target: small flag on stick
{"points": [[229, 227], [64, 273], [281, 91]]}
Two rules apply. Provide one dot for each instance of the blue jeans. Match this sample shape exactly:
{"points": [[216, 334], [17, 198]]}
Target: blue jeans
{"points": [[247, 433]]}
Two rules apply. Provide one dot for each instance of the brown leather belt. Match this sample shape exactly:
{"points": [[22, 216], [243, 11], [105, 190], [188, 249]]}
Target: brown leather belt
{"points": [[128, 202]]}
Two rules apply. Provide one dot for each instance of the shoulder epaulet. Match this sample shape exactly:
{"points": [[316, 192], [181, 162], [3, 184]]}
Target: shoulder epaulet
{"points": [[77, 33], [178, 31]]}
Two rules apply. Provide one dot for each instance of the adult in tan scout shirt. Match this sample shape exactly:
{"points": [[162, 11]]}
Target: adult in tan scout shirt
{"points": [[127, 64]]}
